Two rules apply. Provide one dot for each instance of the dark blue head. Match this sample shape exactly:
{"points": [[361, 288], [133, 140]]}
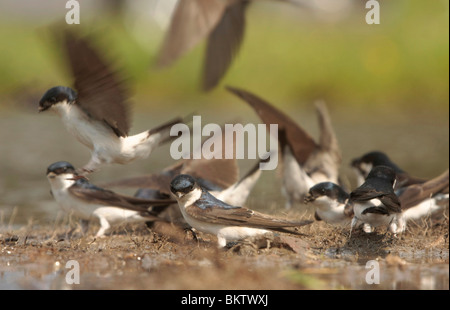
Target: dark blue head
{"points": [[328, 189], [384, 173], [56, 95], [182, 184], [373, 159]]}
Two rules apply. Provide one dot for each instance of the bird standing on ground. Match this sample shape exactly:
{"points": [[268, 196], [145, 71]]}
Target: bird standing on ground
{"points": [[76, 195], [375, 203]]}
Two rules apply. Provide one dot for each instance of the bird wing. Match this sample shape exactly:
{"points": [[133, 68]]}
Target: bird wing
{"points": [[388, 198], [192, 21], [301, 143], [328, 140], [416, 193], [405, 180], [93, 194], [223, 44], [101, 92], [221, 173], [239, 216]]}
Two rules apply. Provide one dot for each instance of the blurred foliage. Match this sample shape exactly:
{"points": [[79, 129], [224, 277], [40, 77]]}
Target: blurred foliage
{"points": [[288, 56]]}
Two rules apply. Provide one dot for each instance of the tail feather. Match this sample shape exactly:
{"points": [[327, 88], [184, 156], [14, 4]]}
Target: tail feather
{"points": [[164, 130]]}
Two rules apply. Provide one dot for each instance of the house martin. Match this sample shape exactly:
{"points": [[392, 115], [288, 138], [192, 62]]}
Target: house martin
{"points": [[364, 164], [76, 195], [204, 212]]}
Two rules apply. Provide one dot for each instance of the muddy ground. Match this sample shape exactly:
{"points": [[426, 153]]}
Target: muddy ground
{"points": [[165, 256], [36, 244]]}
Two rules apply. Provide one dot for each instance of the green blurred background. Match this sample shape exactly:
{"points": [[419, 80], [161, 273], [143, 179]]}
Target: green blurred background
{"points": [[386, 85], [291, 53]]}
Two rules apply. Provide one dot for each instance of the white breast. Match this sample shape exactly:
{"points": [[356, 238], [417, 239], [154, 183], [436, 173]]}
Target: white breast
{"points": [[331, 211], [295, 179], [92, 133], [373, 219]]}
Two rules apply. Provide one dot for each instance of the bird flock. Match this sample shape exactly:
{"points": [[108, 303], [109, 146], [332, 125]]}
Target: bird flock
{"points": [[208, 194]]}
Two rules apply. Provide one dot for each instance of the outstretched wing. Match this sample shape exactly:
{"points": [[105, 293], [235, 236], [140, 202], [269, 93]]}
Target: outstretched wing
{"points": [[101, 92], [192, 21], [223, 44]]}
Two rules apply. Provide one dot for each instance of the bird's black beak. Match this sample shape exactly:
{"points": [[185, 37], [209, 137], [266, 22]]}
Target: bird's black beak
{"points": [[43, 106]]}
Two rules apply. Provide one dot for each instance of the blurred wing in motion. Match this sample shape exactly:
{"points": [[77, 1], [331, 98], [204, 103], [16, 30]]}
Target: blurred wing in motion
{"points": [[223, 44], [301, 143], [192, 21], [101, 93]]}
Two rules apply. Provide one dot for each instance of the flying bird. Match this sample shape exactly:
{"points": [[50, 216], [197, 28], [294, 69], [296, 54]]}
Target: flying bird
{"points": [[220, 22], [74, 194], [305, 161], [204, 212], [97, 111]]}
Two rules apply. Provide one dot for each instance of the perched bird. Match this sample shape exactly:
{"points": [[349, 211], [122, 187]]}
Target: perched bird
{"points": [[222, 22], [305, 162], [424, 199], [375, 203], [75, 194], [329, 200], [204, 212], [364, 164], [97, 113]]}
